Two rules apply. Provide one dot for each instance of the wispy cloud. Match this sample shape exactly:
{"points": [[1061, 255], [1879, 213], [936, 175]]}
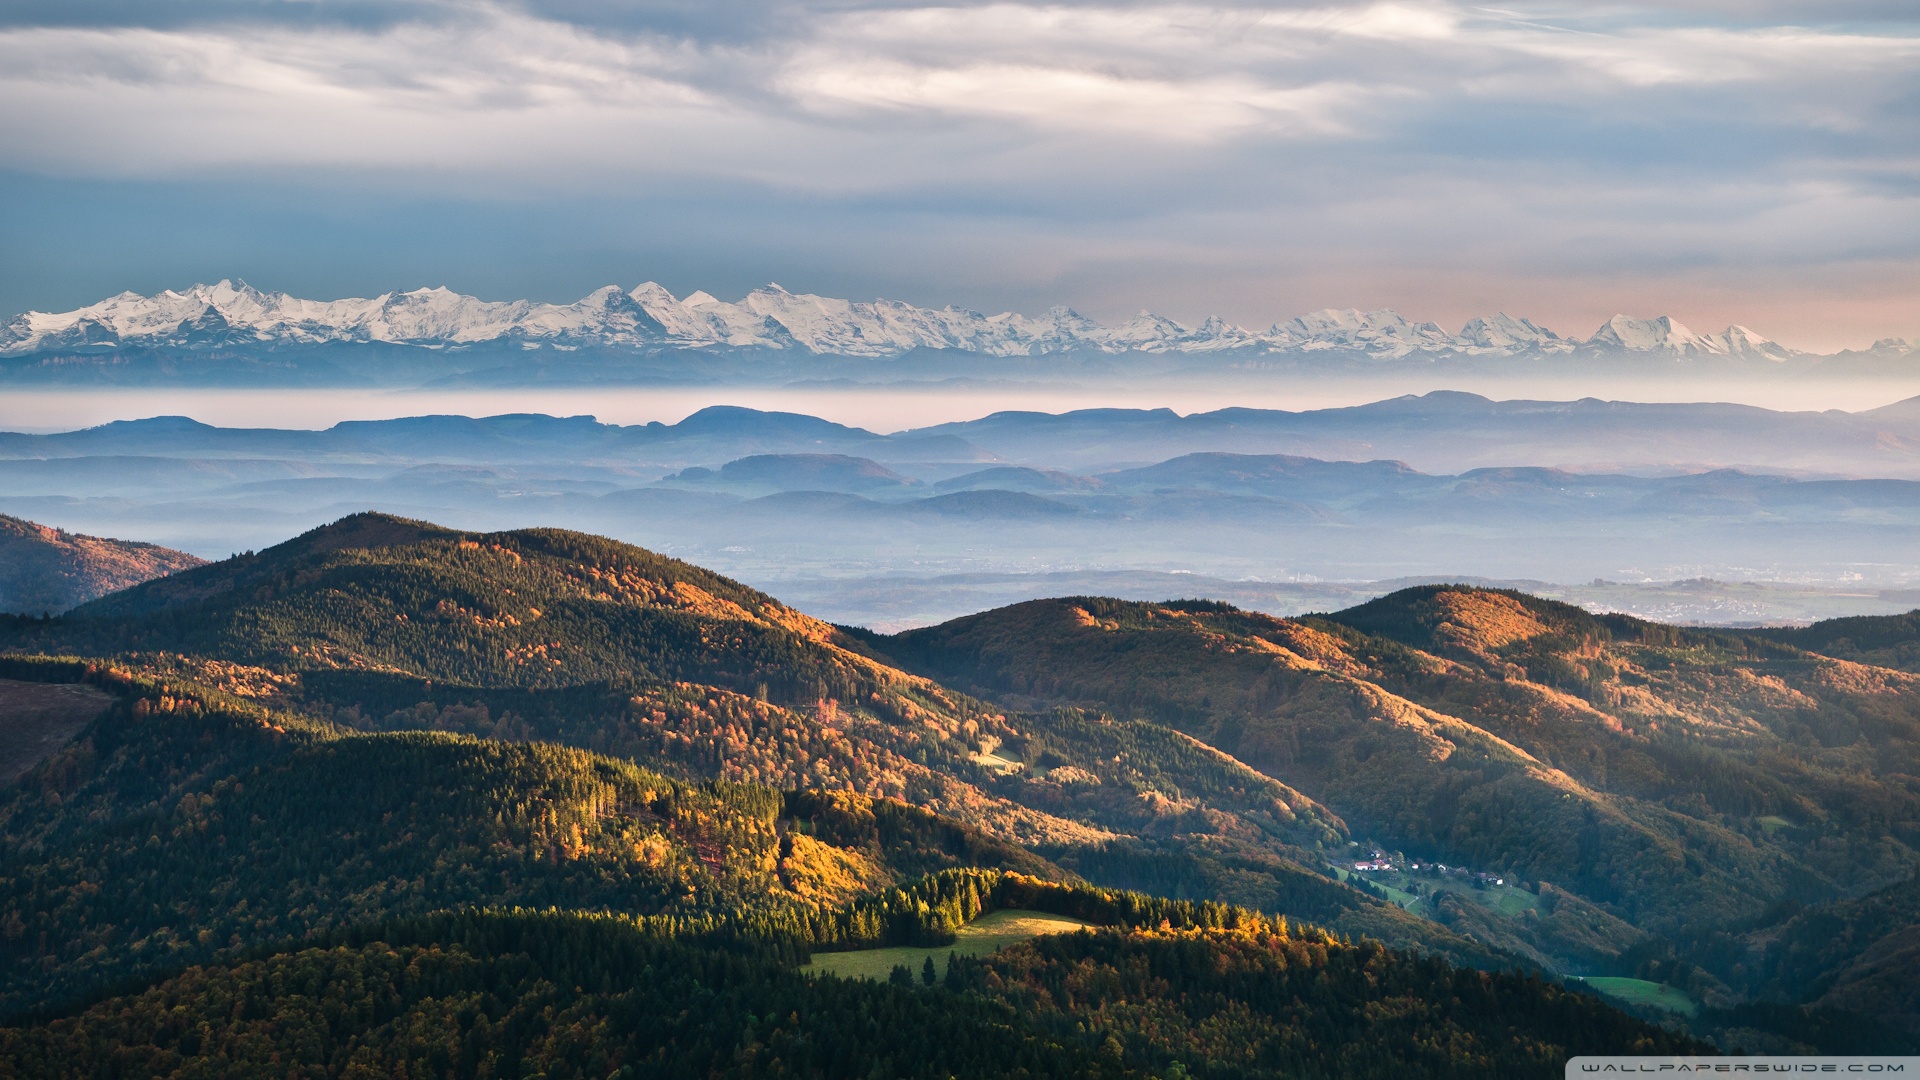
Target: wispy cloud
{"points": [[1543, 138], [246, 91]]}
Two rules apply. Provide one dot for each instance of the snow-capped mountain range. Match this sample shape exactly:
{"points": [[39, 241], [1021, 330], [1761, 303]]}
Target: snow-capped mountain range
{"points": [[651, 318]]}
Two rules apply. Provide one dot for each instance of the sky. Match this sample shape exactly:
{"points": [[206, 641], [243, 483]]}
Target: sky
{"points": [[1723, 162]]}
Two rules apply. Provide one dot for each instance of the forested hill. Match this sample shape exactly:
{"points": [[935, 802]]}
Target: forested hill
{"points": [[552, 995], [46, 571], [383, 719], [430, 904], [376, 623], [532, 608], [186, 822], [1693, 786], [1885, 640], [374, 615]]}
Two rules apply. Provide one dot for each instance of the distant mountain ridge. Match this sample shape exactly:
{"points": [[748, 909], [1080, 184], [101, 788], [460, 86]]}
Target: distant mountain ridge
{"points": [[649, 318], [1610, 490]]}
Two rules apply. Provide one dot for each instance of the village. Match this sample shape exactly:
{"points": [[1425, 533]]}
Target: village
{"points": [[1417, 884], [1379, 862]]}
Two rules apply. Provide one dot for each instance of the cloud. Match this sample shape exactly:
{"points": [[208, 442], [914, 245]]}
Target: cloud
{"points": [[1235, 143], [502, 86]]}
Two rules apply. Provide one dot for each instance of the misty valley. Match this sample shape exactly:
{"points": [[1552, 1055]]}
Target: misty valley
{"points": [[1683, 513]]}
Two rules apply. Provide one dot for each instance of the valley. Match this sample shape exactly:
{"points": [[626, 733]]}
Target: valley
{"points": [[317, 745]]}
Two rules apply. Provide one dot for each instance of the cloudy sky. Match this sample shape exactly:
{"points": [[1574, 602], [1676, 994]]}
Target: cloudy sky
{"points": [[1723, 161]]}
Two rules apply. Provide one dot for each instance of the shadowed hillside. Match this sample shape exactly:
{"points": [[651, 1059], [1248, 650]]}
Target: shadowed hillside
{"points": [[1883, 640], [184, 822], [381, 624], [46, 570], [360, 904], [1681, 783], [383, 719]]}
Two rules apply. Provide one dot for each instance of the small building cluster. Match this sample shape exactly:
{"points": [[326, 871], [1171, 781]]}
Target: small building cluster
{"points": [[1378, 862]]}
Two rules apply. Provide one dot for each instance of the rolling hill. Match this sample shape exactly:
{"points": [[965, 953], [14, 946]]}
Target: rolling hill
{"points": [[47, 571], [379, 624], [316, 746], [765, 473], [204, 886], [1684, 784], [1882, 640]]}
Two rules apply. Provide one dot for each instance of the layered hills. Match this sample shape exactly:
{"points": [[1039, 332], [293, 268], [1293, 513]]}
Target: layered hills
{"points": [[45, 570], [382, 624], [1402, 490], [1442, 431], [329, 824], [420, 780], [1688, 783]]}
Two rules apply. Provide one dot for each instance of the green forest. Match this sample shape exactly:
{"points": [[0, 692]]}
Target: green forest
{"points": [[392, 798], [529, 994]]}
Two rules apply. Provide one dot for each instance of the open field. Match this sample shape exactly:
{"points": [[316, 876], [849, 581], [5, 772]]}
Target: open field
{"points": [[988, 933], [37, 719], [1642, 992], [1400, 888]]}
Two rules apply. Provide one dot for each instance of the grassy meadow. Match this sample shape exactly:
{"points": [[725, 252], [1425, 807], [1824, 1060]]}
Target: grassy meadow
{"points": [[988, 933]]}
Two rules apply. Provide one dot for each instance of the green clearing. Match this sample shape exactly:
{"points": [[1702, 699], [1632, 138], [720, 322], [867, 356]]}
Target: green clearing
{"points": [[1516, 902], [1400, 897], [1642, 992], [1002, 765], [1510, 901], [1771, 824], [988, 933]]}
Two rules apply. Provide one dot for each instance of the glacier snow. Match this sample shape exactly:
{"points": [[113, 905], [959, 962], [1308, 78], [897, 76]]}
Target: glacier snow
{"points": [[650, 317]]}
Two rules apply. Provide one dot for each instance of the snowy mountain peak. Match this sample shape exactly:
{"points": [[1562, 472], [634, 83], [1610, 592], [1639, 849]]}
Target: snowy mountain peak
{"points": [[231, 313], [1647, 335], [1502, 331], [1666, 335]]}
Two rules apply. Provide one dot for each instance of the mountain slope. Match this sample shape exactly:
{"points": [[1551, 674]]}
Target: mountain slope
{"points": [[319, 745], [532, 608], [45, 570], [1722, 727], [1858, 954], [345, 899], [1882, 640], [381, 624], [1682, 781], [333, 613], [184, 822]]}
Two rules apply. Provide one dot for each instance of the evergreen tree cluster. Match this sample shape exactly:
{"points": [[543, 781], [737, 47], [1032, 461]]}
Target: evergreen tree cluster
{"points": [[524, 994]]}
